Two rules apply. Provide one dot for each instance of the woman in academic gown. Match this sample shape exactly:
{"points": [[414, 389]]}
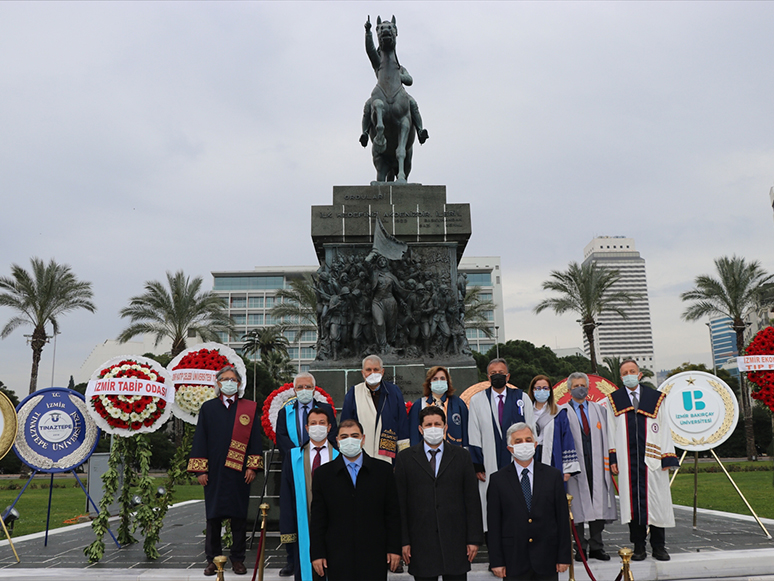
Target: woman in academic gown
{"points": [[438, 391]]}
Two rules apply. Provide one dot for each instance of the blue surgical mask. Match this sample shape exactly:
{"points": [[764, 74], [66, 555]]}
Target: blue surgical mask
{"points": [[631, 381], [350, 447], [541, 395], [439, 386], [228, 387], [305, 395]]}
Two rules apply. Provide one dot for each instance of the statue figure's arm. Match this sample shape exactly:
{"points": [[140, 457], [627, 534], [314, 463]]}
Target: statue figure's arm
{"points": [[405, 77], [371, 50]]}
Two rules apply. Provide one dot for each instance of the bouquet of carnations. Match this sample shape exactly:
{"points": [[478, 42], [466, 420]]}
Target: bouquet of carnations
{"points": [[129, 395], [762, 344], [278, 399], [193, 375]]}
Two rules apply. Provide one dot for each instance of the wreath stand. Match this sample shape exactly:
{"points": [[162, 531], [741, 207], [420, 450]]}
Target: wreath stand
{"points": [[696, 486]]}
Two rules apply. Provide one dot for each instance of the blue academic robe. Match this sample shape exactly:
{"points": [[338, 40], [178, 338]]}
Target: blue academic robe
{"points": [[456, 420]]}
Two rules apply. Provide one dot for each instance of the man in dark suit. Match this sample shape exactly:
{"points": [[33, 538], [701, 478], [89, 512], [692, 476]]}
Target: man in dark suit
{"points": [[291, 433], [529, 527], [355, 525], [439, 502]]}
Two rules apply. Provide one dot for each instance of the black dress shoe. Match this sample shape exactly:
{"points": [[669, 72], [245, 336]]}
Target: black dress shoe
{"points": [[287, 571], [660, 554], [211, 569], [639, 554], [578, 557], [599, 554], [238, 567]]}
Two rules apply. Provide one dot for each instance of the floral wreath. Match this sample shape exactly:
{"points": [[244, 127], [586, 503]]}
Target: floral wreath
{"points": [[278, 399], [762, 344], [190, 394], [126, 415]]}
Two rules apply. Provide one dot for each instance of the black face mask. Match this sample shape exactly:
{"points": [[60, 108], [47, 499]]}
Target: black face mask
{"points": [[498, 380]]}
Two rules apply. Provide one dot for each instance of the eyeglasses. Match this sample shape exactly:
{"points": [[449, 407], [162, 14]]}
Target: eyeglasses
{"points": [[304, 387]]}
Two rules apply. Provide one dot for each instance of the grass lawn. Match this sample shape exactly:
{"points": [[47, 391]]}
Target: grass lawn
{"points": [[67, 503], [717, 493]]}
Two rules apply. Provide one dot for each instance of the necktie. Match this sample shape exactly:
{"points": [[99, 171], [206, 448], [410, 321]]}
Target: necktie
{"points": [[526, 489], [317, 458], [353, 468], [302, 419], [585, 421], [500, 408], [433, 454], [229, 401], [635, 401]]}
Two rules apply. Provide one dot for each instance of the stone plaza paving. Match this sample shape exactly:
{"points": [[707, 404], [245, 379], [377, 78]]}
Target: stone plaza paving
{"points": [[723, 546]]}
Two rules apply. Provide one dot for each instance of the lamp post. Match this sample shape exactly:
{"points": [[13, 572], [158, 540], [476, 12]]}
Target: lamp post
{"points": [[712, 348], [497, 340]]}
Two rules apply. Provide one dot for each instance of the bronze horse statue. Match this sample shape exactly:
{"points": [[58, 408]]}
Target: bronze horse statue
{"points": [[391, 116]]}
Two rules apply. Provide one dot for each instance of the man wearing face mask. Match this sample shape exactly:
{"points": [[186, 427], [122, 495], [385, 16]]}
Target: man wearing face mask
{"points": [[439, 503], [593, 493], [379, 406], [291, 433], [529, 527], [296, 491], [225, 455], [641, 445], [355, 525], [492, 412]]}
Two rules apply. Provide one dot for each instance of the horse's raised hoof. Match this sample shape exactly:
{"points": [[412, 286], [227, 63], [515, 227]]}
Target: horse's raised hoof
{"points": [[364, 139], [423, 136]]}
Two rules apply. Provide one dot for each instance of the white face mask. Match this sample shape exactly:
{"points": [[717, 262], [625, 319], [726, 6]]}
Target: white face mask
{"points": [[432, 436], [305, 395], [631, 381], [374, 379], [317, 433], [439, 386], [228, 387], [523, 451]]}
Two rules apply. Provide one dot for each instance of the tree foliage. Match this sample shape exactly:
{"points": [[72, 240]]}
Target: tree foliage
{"points": [[587, 290], [739, 287], [39, 298], [265, 340], [476, 309], [176, 311], [297, 306]]}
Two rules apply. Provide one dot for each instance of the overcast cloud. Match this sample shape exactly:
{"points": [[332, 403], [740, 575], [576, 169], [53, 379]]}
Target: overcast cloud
{"points": [[137, 138]]}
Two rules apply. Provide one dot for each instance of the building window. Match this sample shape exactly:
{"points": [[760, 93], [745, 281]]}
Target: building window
{"points": [[255, 319], [309, 336], [255, 302], [479, 279], [239, 319], [489, 315], [223, 337], [308, 353], [230, 283], [485, 297], [238, 302], [471, 333], [270, 302], [293, 352], [271, 320]]}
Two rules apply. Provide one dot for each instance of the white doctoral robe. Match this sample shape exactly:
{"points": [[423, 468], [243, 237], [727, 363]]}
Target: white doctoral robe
{"points": [[659, 453], [598, 504], [481, 432]]}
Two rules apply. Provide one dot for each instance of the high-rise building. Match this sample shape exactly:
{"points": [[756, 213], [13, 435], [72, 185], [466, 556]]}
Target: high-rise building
{"points": [[617, 336], [723, 340], [251, 294]]}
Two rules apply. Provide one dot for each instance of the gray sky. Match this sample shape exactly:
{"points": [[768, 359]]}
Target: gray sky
{"points": [[144, 137]]}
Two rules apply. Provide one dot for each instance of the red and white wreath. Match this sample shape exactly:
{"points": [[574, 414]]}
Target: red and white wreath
{"points": [[128, 395], [193, 375], [278, 399]]}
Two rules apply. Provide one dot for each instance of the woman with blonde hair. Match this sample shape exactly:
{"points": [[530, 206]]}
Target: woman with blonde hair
{"points": [[438, 391], [556, 446]]}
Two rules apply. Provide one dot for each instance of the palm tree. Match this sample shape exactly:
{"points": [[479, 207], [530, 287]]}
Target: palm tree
{"points": [[279, 366], [476, 309], [39, 297], [297, 306], [741, 287], [265, 340], [588, 290], [176, 312]]}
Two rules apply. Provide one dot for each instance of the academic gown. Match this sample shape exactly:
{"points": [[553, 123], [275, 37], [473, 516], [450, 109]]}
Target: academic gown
{"points": [[456, 419], [288, 436], [386, 429], [559, 449], [295, 504], [226, 494], [486, 438], [599, 503], [641, 444]]}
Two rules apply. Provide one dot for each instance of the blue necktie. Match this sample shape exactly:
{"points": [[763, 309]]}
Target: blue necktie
{"points": [[353, 468], [525, 488]]}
